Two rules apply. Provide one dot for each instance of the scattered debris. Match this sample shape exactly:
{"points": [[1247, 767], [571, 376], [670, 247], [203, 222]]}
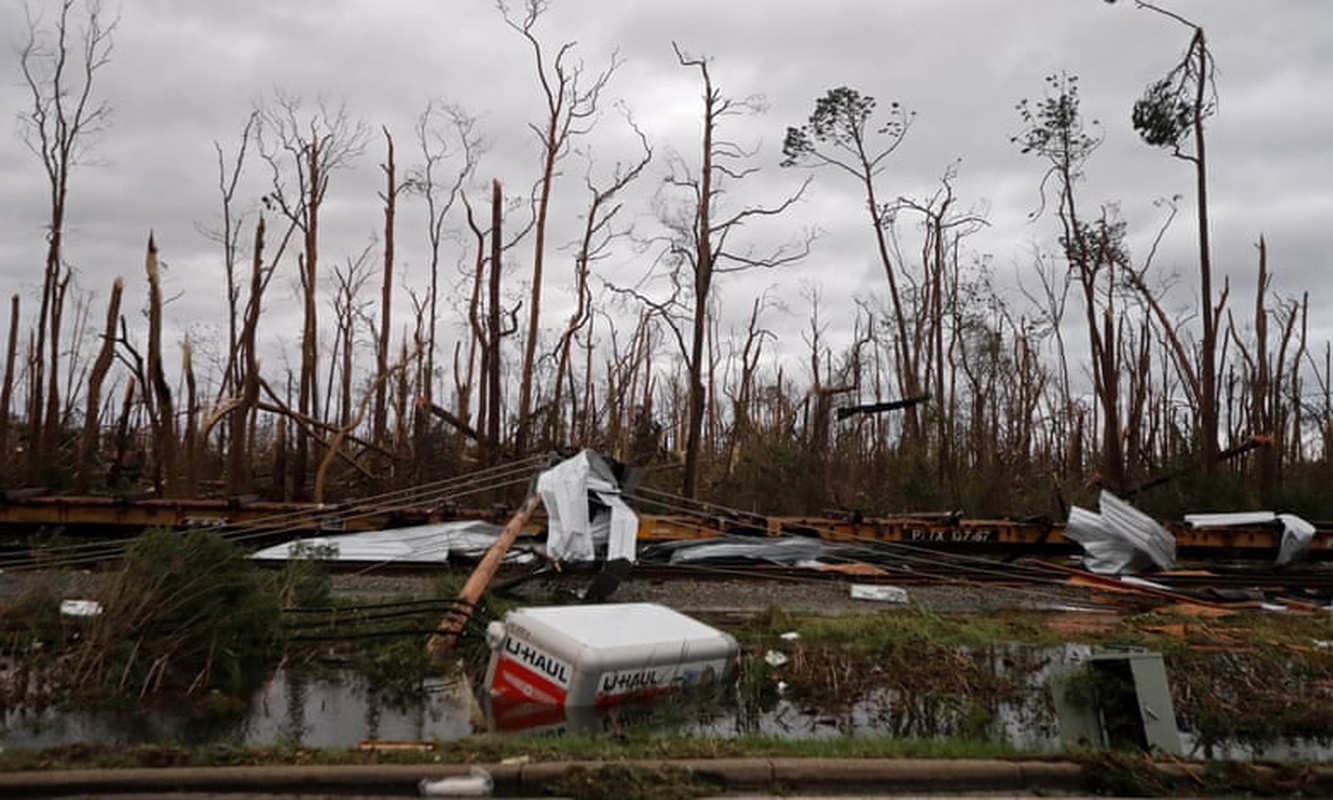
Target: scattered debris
{"points": [[790, 550], [882, 594], [585, 512], [80, 608], [1083, 622], [418, 544], [1121, 539], [1143, 591], [856, 568], [478, 783], [1297, 534], [377, 745]]}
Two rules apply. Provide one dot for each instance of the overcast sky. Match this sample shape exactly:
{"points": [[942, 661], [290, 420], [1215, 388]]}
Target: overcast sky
{"points": [[186, 73]]}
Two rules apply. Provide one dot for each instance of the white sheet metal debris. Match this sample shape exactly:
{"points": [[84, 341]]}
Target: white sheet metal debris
{"points": [[584, 511], [418, 544], [1297, 533], [793, 550], [1121, 539]]}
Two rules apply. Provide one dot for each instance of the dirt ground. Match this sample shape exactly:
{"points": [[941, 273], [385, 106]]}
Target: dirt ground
{"points": [[721, 595]]}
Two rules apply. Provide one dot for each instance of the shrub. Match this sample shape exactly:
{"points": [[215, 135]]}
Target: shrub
{"points": [[187, 612]]}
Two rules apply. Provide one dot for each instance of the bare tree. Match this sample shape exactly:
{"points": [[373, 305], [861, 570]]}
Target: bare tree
{"points": [[937, 302], [163, 407], [487, 317], [484, 315], [92, 418], [228, 235], [493, 371], [392, 188], [445, 133], [189, 484], [7, 387], [570, 109], [1270, 373], [304, 150], [701, 243], [60, 65], [241, 410], [237, 393], [465, 372], [349, 311], [599, 231], [350, 420], [742, 390]]}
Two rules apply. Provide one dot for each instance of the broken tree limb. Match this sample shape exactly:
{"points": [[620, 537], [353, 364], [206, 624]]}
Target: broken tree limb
{"points": [[1252, 443], [446, 633], [454, 420], [876, 408]]}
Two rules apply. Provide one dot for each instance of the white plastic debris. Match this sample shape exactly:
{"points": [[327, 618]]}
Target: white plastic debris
{"points": [[80, 608], [882, 594], [789, 636], [476, 784], [584, 510], [774, 658]]}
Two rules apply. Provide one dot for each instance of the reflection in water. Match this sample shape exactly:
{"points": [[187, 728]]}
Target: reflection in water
{"points": [[293, 707], [341, 709]]}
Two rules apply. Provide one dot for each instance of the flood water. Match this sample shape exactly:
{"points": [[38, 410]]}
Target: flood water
{"points": [[293, 708], [340, 710]]}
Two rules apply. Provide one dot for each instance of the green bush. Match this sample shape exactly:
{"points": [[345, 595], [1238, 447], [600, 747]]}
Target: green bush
{"points": [[187, 612]]}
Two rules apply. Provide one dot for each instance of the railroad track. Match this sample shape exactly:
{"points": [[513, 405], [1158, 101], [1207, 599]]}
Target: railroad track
{"points": [[1314, 581], [869, 563]]}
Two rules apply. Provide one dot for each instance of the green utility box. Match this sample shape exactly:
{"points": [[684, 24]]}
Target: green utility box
{"points": [[1120, 700]]}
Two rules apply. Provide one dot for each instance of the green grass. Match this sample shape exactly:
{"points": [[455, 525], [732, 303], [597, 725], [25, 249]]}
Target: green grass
{"points": [[865, 633]]}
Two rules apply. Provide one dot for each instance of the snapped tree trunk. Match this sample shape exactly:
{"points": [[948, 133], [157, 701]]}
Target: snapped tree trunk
{"points": [[92, 417], [493, 371], [7, 389], [164, 434]]}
